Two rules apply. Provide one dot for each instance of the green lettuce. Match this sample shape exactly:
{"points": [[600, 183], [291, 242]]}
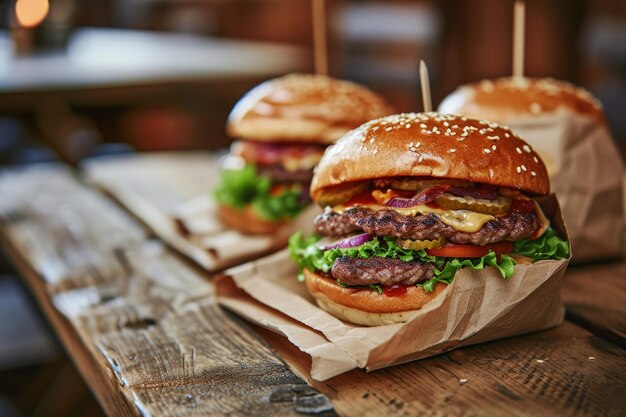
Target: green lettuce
{"points": [[241, 187], [305, 252], [548, 246]]}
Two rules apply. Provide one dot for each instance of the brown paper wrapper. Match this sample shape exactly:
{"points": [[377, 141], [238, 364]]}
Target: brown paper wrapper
{"points": [[586, 174], [477, 307], [214, 246], [171, 194]]}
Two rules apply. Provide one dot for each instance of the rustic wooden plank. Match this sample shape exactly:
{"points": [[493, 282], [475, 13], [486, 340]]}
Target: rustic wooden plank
{"points": [[595, 298], [140, 323], [91, 365], [561, 372]]}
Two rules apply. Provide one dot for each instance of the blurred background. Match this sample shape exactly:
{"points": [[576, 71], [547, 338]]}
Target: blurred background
{"points": [[84, 78]]}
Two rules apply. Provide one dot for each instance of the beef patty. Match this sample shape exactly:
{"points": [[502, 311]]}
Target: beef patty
{"points": [[514, 226], [385, 271], [279, 173]]}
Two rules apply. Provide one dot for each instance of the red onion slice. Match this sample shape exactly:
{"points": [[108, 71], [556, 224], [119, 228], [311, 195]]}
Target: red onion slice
{"points": [[350, 242], [477, 192], [424, 197]]}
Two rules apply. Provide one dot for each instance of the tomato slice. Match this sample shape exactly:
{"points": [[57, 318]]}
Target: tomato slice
{"points": [[471, 251]]}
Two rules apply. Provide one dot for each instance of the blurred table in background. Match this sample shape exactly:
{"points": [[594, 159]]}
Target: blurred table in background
{"points": [[109, 58], [126, 85]]}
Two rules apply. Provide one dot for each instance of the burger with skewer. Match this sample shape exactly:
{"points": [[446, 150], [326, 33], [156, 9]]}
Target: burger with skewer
{"points": [[282, 128], [412, 198]]}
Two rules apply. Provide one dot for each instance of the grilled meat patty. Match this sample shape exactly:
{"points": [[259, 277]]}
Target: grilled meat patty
{"points": [[514, 226], [278, 173], [385, 271]]}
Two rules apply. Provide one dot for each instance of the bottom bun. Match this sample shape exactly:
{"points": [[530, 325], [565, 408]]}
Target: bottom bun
{"points": [[367, 307], [246, 220]]}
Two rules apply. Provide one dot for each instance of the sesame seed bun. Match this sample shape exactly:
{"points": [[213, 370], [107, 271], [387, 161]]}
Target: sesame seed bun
{"points": [[366, 307], [304, 107], [506, 99], [432, 145], [246, 220]]}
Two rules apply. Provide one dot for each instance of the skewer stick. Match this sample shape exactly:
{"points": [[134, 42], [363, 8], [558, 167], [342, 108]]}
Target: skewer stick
{"points": [[426, 99], [319, 37], [519, 23]]}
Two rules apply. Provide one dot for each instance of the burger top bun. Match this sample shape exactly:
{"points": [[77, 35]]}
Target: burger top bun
{"points": [[304, 108], [432, 145], [506, 99]]}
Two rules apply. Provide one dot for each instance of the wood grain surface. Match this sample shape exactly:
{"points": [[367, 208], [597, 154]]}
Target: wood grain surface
{"points": [[141, 325], [595, 297], [138, 321]]}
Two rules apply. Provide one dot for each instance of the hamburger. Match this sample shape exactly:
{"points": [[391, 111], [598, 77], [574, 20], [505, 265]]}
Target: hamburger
{"points": [[409, 200], [566, 125], [281, 128], [505, 99]]}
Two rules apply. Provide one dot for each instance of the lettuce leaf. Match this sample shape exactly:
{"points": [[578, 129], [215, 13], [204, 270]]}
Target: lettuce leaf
{"points": [[241, 187], [304, 251], [548, 246]]}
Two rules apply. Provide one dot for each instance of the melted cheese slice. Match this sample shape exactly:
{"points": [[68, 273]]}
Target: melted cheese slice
{"points": [[460, 220]]}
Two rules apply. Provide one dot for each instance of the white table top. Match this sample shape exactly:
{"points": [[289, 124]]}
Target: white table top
{"points": [[97, 58]]}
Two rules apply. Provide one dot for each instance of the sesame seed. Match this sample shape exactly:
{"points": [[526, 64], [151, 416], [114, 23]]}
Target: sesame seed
{"points": [[452, 150], [423, 125], [388, 129], [519, 151], [506, 135], [452, 133], [524, 168], [494, 137], [375, 128], [418, 144], [487, 150], [375, 151], [533, 173], [410, 144], [420, 159], [493, 147], [526, 148], [535, 159], [539, 360], [408, 125], [535, 108], [519, 170], [592, 358], [372, 140], [463, 381], [446, 124]]}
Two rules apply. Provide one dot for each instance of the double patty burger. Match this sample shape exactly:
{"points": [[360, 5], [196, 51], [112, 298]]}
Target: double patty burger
{"points": [[412, 198], [282, 128], [565, 124]]}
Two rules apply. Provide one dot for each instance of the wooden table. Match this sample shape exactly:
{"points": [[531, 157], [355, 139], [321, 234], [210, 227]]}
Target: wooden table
{"points": [[142, 327]]}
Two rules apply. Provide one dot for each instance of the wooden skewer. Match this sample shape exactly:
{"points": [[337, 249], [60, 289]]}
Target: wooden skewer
{"points": [[426, 98], [519, 18], [319, 37]]}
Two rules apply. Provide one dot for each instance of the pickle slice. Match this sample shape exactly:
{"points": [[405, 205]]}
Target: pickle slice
{"points": [[341, 193], [499, 206], [416, 185], [420, 244]]}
